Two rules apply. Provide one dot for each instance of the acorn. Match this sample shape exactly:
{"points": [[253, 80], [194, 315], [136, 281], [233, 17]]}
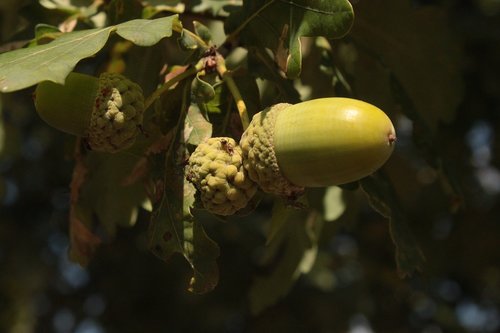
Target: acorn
{"points": [[107, 112], [216, 170], [317, 143]]}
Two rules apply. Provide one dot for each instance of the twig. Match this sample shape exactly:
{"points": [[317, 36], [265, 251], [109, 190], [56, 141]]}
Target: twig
{"points": [[233, 88]]}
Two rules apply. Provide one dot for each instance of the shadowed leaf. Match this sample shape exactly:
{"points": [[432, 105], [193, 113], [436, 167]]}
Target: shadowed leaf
{"points": [[417, 46], [173, 228], [84, 243], [290, 252], [383, 199], [105, 193], [279, 25], [279, 217], [202, 90], [426, 142], [263, 66]]}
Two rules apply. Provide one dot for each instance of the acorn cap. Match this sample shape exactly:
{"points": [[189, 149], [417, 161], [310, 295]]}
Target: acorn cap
{"points": [[259, 157], [216, 170], [106, 111]]}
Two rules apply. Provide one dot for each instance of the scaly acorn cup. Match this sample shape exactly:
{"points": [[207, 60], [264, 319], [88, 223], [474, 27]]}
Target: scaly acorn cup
{"points": [[107, 112], [216, 170], [321, 142]]}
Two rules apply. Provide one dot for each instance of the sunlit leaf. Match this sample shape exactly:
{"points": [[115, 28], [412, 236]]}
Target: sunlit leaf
{"points": [[333, 203], [54, 61], [77, 10], [154, 7], [197, 127], [148, 32], [215, 7], [279, 25], [66, 5], [25, 67]]}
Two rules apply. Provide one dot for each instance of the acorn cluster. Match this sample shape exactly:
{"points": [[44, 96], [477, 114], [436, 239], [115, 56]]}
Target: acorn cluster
{"points": [[285, 149]]}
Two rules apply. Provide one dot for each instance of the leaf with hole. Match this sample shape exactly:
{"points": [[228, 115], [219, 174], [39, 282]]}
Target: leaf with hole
{"points": [[173, 228]]}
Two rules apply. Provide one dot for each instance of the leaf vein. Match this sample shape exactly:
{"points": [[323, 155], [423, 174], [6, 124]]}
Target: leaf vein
{"points": [[54, 45]]}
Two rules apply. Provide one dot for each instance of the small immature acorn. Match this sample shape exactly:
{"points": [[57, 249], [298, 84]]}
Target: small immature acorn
{"points": [[216, 170], [107, 112], [317, 143]]}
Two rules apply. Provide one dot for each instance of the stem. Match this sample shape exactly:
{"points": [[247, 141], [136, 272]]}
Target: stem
{"points": [[228, 79], [158, 92]]}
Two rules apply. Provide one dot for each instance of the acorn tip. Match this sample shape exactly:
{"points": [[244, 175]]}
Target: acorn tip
{"points": [[392, 138]]}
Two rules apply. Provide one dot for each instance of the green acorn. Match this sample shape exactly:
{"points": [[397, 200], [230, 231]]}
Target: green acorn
{"points": [[318, 143], [216, 170], [107, 112]]}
